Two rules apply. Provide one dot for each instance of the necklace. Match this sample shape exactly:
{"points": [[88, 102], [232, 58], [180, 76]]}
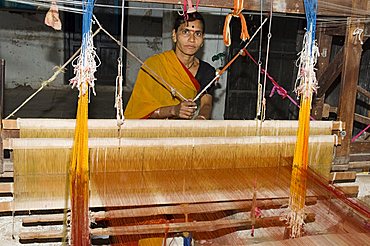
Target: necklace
{"points": [[189, 66]]}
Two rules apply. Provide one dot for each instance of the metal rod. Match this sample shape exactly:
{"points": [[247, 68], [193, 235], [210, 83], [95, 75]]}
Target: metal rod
{"points": [[2, 86]]}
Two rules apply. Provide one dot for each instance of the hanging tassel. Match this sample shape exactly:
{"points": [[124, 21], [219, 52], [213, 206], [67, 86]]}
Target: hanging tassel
{"points": [[237, 12], [52, 17], [306, 85], [190, 9]]}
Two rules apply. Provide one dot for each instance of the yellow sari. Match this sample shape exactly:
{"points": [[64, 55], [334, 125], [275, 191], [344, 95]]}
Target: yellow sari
{"points": [[149, 95]]}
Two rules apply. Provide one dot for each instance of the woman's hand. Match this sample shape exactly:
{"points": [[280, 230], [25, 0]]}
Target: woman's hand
{"points": [[200, 117], [185, 110]]}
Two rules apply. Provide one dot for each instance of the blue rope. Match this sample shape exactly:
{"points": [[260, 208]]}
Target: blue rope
{"points": [[87, 8], [311, 12]]}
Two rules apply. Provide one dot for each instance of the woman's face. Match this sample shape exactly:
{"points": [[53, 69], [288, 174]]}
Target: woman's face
{"points": [[189, 37]]}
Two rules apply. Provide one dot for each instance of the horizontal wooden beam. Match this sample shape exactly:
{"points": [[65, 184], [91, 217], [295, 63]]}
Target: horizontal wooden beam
{"points": [[340, 176], [6, 207], [339, 30], [362, 119], [6, 188], [360, 147], [359, 164], [330, 73], [210, 207], [363, 91], [196, 226], [359, 156], [197, 208], [348, 189], [325, 7]]}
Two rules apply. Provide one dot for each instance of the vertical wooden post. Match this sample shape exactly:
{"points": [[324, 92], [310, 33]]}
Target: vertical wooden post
{"points": [[348, 87], [324, 43], [2, 87]]}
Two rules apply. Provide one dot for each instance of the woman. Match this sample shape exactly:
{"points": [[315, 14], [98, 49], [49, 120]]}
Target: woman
{"points": [[180, 69]]}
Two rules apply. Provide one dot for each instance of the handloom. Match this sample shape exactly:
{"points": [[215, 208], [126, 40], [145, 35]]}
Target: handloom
{"points": [[182, 166]]}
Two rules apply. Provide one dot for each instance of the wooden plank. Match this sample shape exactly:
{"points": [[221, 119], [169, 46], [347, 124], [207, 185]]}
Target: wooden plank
{"points": [[177, 209], [349, 190], [324, 43], [359, 164], [8, 165], [338, 30], [363, 91], [287, 6], [10, 133], [360, 156], [360, 147], [6, 188], [10, 124], [23, 236], [330, 73], [197, 208], [336, 176], [348, 87], [362, 119], [196, 226], [6, 207], [339, 126], [341, 167], [7, 174]]}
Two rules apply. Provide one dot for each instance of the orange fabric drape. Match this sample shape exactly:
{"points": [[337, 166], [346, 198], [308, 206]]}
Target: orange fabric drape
{"points": [[237, 12], [149, 94]]}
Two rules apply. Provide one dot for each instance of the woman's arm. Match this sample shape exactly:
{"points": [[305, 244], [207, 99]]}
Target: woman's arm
{"points": [[183, 110], [205, 107]]}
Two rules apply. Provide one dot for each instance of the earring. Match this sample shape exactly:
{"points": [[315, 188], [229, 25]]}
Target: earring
{"points": [[201, 45]]}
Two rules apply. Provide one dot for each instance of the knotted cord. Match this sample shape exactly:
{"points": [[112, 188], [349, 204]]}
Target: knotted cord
{"points": [[276, 87], [85, 65], [189, 9], [259, 85], [119, 79], [118, 105], [229, 63], [269, 35], [158, 78], [305, 89], [79, 168], [237, 12]]}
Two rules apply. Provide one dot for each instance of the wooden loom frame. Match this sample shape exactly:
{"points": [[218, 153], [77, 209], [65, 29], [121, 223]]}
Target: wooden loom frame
{"points": [[349, 65], [343, 64]]}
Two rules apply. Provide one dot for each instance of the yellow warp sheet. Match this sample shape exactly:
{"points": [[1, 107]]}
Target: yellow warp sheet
{"points": [[149, 94]]}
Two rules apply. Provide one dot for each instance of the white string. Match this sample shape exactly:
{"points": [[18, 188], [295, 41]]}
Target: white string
{"points": [[118, 95], [85, 67], [51, 79], [259, 85], [306, 81], [357, 33], [269, 35], [119, 80], [335, 9], [240, 52], [158, 78]]}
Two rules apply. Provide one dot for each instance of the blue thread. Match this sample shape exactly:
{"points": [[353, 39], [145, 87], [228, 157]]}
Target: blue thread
{"points": [[87, 8], [311, 12]]}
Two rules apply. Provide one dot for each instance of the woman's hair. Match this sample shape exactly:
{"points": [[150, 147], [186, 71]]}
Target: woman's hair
{"points": [[191, 17]]}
